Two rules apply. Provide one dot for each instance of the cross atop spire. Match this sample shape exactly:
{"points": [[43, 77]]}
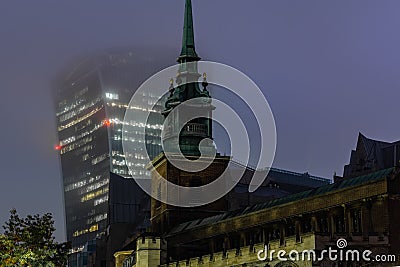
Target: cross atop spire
{"points": [[188, 53]]}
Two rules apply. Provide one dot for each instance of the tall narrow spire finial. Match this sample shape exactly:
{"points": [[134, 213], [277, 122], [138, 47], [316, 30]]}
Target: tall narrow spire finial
{"points": [[187, 87], [188, 52]]}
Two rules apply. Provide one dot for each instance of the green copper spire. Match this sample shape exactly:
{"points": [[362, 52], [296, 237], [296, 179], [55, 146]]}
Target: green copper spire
{"points": [[188, 139], [188, 52]]}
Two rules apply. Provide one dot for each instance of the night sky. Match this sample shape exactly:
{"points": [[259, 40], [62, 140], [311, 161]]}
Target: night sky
{"points": [[329, 70]]}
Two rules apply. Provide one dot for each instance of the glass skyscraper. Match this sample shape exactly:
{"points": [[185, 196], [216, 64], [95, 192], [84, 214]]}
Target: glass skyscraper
{"points": [[90, 102]]}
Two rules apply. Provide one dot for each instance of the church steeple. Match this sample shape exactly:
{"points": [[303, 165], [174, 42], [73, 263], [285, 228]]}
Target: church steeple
{"points": [[187, 88], [188, 52]]}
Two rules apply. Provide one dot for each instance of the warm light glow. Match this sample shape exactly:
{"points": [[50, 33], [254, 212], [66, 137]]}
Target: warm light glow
{"points": [[107, 122], [57, 147]]}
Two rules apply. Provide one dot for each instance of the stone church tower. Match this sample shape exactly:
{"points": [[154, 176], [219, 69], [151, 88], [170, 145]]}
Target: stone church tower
{"points": [[187, 139]]}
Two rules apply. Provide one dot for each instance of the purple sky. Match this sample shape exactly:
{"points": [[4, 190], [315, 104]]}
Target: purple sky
{"points": [[329, 69]]}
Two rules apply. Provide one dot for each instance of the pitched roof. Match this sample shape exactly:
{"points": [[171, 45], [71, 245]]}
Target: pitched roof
{"points": [[348, 183], [373, 148]]}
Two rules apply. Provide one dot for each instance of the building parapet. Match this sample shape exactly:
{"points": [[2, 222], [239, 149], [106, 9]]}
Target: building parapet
{"points": [[249, 254], [147, 253]]}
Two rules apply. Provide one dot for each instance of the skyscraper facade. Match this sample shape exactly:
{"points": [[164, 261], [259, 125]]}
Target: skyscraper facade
{"points": [[90, 104]]}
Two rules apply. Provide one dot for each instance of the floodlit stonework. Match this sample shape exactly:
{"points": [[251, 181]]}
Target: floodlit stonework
{"points": [[360, 211]]}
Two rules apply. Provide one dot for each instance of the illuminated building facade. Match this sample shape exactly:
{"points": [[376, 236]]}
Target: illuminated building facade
{"points": [[90, 104], [358, 213], [361, 211]]}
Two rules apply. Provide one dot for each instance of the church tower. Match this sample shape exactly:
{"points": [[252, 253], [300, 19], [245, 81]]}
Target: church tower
{"points": [[186, 139], [196, 130]]}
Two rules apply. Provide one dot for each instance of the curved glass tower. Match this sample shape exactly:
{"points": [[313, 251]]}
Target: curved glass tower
{"points": [[90, 102]]}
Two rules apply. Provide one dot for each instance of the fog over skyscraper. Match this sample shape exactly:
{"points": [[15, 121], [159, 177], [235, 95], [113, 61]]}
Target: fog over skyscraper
{"points": [[90, 101]]}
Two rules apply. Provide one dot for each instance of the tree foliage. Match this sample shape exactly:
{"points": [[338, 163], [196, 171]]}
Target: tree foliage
{"points": [[30, 242]]}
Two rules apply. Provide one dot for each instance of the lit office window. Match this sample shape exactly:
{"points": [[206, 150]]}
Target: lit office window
{"points": [[112, 96]]}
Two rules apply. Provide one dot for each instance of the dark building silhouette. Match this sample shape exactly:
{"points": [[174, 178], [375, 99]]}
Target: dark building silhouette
{"points": [[129, 214], [372, 155], [278, 183]]}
